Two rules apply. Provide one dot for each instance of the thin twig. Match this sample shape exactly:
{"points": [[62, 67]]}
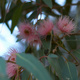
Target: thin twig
{"points": [[70, 34], [42, 57], [64, 57], [68, 52]]}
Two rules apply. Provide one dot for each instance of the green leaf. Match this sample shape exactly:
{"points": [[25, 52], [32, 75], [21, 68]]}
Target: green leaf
{"points": [[30, 63], [29, 6], [54, 63], [51, 72], [48, 11], [3, 75], [48, 2], [38, 1], [15, 17], [56, 77], [69, 71], [52, 56], [26, 6], [71, 41], [2, 66], [67, 8], [41, 52], [46, 42], [4, 78], [8, 15], [25, 75], [64, 70], [76, 53]]}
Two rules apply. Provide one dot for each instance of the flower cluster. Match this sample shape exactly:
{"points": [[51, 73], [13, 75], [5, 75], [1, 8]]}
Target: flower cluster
{"points": [[32, 36], [28, 33], [12, 67]]}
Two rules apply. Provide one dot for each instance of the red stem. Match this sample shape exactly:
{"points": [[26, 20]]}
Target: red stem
{"points": [[42, 57]]}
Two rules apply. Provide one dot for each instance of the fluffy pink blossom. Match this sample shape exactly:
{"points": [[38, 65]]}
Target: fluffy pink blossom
{"points": [[65, 25], [12, 55], [25, 30], [45, 28], [34, 40], [11, 69]]}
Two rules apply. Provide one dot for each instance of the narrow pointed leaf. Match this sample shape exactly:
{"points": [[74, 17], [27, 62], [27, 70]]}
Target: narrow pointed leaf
{"points": [[48, 2], [25, 75], [53, 56], [2, 66], [3, 75], [30, 63], [15, 17], [54, 63]]}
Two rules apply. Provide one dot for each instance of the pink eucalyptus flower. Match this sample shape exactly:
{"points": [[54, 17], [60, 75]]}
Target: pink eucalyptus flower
{"points": [[45, 28], [12, 55], [65, 25], [11, 69], [34, 40], [25, 30]]}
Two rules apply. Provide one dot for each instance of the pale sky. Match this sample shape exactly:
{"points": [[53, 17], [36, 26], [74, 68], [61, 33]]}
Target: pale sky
{"points": [[8, 40]]}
